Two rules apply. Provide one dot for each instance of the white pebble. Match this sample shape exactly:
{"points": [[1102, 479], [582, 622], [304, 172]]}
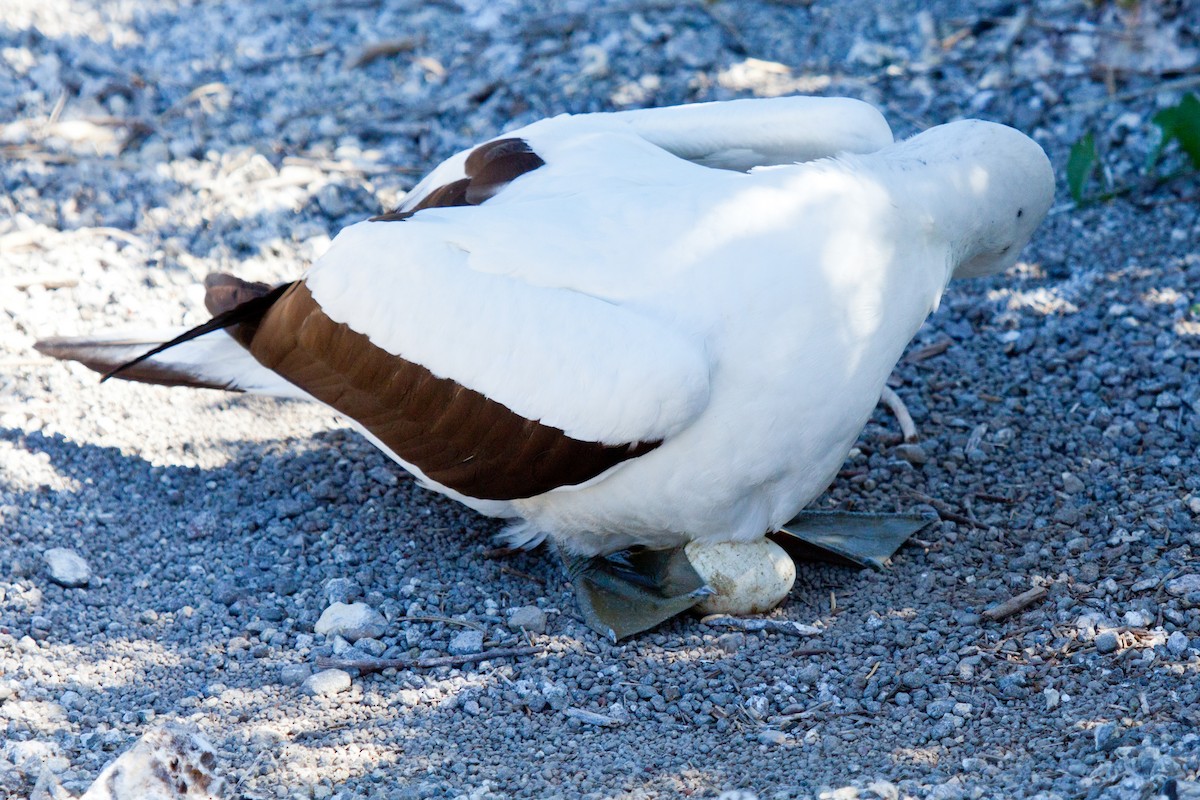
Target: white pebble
{"points": [[351, 621], [66, 567], [327, 682]]}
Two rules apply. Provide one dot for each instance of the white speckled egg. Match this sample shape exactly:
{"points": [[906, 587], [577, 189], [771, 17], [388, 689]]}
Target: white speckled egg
{"points": [[748, 577]]}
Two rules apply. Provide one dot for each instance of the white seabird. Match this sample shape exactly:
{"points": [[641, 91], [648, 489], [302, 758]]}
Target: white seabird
{"points": [[643, 328]]}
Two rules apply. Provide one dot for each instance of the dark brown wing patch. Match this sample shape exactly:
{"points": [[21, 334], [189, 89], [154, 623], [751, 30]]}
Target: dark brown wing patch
{"points": [[454, 435], [489, 168], [224, 292]]}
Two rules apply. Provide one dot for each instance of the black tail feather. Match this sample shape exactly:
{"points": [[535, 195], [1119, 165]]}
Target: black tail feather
{"points": [[248, 312]]}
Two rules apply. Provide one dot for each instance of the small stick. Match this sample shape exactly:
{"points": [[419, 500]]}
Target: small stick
{"points": [[46, 282], [434, 618], [389, 47], [754, 624], [503, 552], [892, 400], [945, 512], [591, 717], [1014, 604], [929, 351], [507, 570], [994, 498], [376, 664]]}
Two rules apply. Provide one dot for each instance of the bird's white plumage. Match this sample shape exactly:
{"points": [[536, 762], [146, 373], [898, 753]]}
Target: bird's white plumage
{"points": [[625, 290], [735, 135], [565, 359], [749, 319], [565, 295]]}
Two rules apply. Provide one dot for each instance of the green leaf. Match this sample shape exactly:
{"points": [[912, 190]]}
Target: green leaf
{"points": [[1180, 123], [1081, 165]]}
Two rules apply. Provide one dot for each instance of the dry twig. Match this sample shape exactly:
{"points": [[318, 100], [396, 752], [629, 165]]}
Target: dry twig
{"points": [[377, 664], [389, 47], [1015, 604], [892, 400], [944, 511], [754, 624]]}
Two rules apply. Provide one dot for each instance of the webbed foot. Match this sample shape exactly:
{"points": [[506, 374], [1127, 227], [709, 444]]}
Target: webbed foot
{"points": [[846, 537], [633, 590]]}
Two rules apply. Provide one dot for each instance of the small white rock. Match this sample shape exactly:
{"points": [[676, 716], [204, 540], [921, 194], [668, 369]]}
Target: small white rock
{"points": [[168, 763], [351, 621], [66, 567], [748, 577], [1136, 619], [326, 682]]}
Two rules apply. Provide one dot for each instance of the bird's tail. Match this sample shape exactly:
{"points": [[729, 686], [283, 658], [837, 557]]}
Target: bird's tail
{"points": [[207, 356]]}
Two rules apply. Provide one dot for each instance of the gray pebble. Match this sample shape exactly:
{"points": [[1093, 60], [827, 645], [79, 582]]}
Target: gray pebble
{"points": [[1177, 643], [342, 590], [466, 642], [1071, 483], [1107, 642], [372, 647], [731, 642], [1184, 585], [1106, 736], [327, 682], [529, 618], [912, 453], [294, 674], [66, 567], [772, 737]]}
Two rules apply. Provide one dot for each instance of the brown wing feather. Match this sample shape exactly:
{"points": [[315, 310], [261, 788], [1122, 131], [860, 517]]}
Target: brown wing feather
{"points": [[454, 435], [224, 292], [489, 168]]}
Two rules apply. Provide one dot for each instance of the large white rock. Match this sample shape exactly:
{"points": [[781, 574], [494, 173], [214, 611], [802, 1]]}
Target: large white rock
{"points": [[748, 577], [351, 621], [66, 567], [172, 762]]}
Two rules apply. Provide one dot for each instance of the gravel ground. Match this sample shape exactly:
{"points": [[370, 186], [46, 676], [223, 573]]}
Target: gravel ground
{"points": [[147, 143]]}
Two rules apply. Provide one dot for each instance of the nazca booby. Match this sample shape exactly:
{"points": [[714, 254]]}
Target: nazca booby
{"points": [[643, 328]]}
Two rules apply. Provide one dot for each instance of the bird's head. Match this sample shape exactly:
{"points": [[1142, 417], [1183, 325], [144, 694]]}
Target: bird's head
{"points": [[991, 187]]}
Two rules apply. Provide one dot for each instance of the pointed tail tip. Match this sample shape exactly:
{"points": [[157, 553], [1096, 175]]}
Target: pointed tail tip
{"points": [[51, 346]]}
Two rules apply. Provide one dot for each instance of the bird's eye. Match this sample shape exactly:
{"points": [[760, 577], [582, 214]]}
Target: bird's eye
{"points": [[1020, 213]]}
